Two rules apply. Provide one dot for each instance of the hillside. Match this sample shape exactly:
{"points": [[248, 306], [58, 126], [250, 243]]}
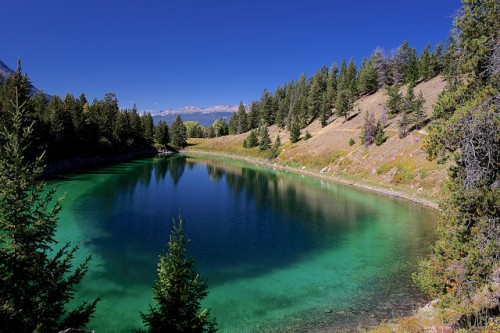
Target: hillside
{"points": [[397, 165]]}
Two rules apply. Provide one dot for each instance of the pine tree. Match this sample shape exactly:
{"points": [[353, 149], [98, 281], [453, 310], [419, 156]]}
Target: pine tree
{"points": [[162, 136], [418, 111], [233, 124], [326, 110], [277, 142], [251, 140], [294, 131], [37, 277], [265, 140], [242, 119], [412, 67], [331, 89], [314, 98], [426, 66], [367, 78], [351, 80], [394, 103], [178, 292], [178, 134], [344, 102], [379, 134], [253, 116], [148, 126]]}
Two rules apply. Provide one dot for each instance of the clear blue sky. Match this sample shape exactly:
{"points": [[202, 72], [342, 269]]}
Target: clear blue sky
{"points": [[171, 53]]}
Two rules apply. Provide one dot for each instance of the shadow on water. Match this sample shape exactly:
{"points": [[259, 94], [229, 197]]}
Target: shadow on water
{"points": [[270, 222]]}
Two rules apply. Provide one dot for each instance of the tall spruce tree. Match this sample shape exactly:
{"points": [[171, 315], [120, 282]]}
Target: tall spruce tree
{"points": [[178, 292], [37, 276]]}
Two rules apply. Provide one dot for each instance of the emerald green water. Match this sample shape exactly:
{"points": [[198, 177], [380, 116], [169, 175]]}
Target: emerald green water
{"points": [[281, 252]]}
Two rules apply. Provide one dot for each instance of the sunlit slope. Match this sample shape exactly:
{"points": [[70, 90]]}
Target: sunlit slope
{"points": [[398, 164]]}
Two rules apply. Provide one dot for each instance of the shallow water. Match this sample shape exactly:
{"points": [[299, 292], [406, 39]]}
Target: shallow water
{"points": [[281, 252]]}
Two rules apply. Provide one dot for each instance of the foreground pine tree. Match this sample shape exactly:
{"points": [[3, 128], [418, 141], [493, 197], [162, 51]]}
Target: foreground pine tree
{"points": [[36, 276], [178, 292]]}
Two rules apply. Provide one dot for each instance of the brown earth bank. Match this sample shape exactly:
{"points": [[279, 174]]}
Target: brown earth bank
{"points": [[399, 167]]}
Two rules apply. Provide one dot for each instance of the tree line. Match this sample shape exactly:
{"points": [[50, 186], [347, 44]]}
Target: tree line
{"points": [[299, 102], [74, 127]]}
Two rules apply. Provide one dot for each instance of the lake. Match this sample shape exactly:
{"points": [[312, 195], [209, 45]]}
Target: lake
{"points": [[280, 252]]}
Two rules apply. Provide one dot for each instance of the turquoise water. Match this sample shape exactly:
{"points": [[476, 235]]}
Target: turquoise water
{"points": [[281, 252]]}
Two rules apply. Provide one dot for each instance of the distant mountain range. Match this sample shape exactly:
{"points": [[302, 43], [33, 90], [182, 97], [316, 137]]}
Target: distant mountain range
{"points": [[5, 72], [205, 116], [196, 109]]}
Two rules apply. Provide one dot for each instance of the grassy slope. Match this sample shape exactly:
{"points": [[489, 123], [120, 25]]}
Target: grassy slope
{"points": [[398, 165]]}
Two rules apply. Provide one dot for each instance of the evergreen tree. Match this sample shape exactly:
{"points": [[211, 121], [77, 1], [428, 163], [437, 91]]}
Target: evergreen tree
{"points": [[267, 111], [418, 111], [351, 80], [251, 140], [265, 140], [15, 86], [242, 119], [162, 136], [367, 78], [426, 65], [394, 103], [437, 59], [178, 292], [294, 131], [314, 98], [379, 134], [326, 110], [233, 124], [253, 116], [277, 142], [412, 67], [178, 135], [284, 106], [148, 126], [344, 102], [331, 89], [37, 277]]}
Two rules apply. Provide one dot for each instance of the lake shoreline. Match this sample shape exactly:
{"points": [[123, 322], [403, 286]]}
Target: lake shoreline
{"points": [[76, 163], [329, 177]]}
